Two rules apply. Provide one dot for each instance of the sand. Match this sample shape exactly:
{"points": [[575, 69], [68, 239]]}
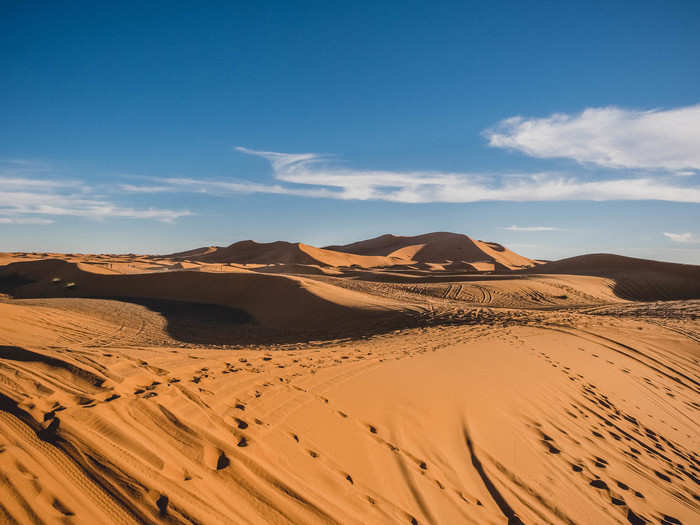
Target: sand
{"points": [[180, 390]]}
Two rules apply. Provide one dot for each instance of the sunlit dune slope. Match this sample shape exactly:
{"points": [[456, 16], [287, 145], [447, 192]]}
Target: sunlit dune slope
{"points": [[554, 419]]}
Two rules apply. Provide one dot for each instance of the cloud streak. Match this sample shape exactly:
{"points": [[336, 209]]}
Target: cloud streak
{"points": [[515, 228], [687, 237], [314, 175], [25, 220], [22, 199], [610, 137]]}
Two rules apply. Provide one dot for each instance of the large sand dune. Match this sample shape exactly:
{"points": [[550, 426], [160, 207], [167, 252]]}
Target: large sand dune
{"points": [[384, 251], [635, 279], [181, 389], [279, 252], [277, 302], [436, 247]]}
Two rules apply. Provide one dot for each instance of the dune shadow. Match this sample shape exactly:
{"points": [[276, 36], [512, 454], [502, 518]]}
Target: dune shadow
{"points": [[16, 353], [198, 323], [10, 282], [656, 287]]}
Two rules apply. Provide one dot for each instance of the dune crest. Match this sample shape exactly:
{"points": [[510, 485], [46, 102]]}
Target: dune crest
{"points": [[383, 251], [437, 247]]}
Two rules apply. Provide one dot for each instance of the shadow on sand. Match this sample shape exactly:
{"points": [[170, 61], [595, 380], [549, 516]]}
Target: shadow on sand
{"points": [[198, 323]]}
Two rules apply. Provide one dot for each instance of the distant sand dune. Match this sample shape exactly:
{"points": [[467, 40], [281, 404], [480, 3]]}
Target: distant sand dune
{"points": [[436, 247]]}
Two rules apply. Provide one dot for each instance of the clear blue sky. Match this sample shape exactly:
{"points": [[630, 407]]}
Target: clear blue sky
{"points": [[557, 128]]}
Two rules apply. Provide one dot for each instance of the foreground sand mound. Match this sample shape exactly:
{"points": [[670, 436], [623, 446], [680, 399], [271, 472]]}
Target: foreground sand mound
{"points": [[635, 279], [275, 301], [436, 247], [562, 419]]}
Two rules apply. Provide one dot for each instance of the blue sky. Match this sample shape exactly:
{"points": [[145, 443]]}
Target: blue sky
{"points": [[555, 128]]}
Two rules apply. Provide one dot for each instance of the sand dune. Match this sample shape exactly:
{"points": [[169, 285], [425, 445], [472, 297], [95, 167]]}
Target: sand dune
{"points": [[635, 279], [280, 252], [384, 251], [155, 389], [274, 301], [436, 247]]}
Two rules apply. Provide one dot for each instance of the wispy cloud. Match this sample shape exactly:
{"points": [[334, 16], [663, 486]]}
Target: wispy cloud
{"points": [[132, 188], [219, 187], [314, 175], [611, 137], [25, 220], [34, 200], [686, 237], [515, 228]]}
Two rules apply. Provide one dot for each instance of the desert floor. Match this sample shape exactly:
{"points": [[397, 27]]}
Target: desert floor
{"points": [[482, 399]]}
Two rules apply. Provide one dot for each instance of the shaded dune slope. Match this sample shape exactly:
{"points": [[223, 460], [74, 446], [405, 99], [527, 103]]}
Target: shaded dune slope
{"points": [[634, 279], [274, 301]]}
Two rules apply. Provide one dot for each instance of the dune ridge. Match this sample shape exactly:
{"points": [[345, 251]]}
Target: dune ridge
{"points": [[383, 251], [436, 247]]}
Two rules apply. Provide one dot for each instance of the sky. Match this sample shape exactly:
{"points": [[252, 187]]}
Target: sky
{"points": [[555, 128]]}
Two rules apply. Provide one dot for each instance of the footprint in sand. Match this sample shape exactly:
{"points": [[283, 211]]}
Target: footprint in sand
{"points": [[222, 462], [60, 507], [162, 504]]}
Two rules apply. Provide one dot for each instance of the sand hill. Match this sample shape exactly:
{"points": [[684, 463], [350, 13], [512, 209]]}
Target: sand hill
{"points": [[437, 247], [279, 252], [276, 302], [453, 249], [635, 279]]}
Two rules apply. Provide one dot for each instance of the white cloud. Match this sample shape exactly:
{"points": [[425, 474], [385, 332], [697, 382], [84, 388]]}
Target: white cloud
{"points": [[313, 175], [682, 237], [217, 187], [24, 198], [131, 188], [515, 228], [610, 137], [25, 220], [309, 169]]}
